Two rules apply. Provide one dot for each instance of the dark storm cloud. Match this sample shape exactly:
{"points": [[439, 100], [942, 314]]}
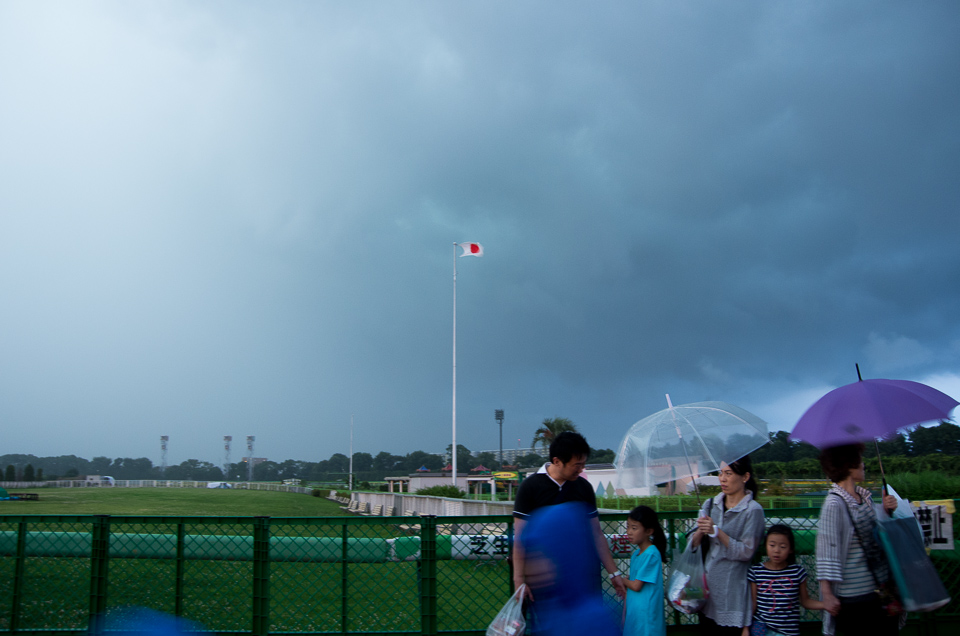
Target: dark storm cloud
{"points": [[233, 219]]}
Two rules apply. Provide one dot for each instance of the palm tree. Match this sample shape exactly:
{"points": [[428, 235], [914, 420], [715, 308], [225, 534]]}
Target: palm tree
{"points": [[549, 430]]}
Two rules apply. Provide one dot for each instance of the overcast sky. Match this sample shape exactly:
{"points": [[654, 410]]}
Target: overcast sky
{"points": [[237, 218]]}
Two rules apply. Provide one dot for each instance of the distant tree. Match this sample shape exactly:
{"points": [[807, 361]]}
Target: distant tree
{"points": [[465, 460], [39, 474], [139, 468], [11, 473], [782, 449], [530, 459], [362, 462], [549, 429], [805, 451], [28, 473], [100, 466], [896, 445], [602, 456], [944, 438], [266, 471], [338, 463], [413, 461], [772, 470], [488, 460], [384, 462], [292, 469], [72, 472], [194, 470]]}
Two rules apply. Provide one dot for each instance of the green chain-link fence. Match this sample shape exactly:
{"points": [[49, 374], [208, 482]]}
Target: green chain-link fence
{"points": [[342, 575]]}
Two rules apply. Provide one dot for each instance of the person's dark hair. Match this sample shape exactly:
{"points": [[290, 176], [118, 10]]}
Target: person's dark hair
{"points": [[647, 517], [568, 445], [786, 531], [838, 461], [743, 466]]}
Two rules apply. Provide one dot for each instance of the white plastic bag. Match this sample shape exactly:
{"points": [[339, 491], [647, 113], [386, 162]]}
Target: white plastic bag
{"points": [[687, 587], [509, 621]]}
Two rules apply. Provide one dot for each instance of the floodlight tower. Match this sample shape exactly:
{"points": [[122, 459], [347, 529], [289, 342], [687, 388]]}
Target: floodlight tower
{"points": [[226, 455], [163, 453], [498, 415], [250, 440]]}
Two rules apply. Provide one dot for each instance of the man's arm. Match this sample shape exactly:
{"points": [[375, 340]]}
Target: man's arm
{"points": [[518, 557], [607, 558]]}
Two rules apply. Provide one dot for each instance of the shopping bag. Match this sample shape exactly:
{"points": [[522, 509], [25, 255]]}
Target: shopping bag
{"points": [[919, 587], [687, 587], [509, 621]]}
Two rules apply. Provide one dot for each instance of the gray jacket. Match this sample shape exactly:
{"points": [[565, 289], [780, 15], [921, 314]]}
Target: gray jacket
{"points": [[729, 600]]}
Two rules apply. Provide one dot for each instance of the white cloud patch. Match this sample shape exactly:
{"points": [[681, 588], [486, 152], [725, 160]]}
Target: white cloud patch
{"points": [[894, 353]]}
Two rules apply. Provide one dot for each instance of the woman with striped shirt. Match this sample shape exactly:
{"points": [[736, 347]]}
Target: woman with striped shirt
{"points": [[850, 564]]}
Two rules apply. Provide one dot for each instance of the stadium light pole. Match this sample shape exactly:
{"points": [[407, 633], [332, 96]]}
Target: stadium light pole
{"points": [[498, 415]]}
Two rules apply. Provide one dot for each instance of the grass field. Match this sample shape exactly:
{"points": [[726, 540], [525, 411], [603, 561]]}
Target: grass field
{"points": [[171, 502], [304, 597]]}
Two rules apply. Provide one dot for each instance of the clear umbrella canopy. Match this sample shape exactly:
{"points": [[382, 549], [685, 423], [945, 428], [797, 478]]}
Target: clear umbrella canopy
{"points": [[686, 441]]}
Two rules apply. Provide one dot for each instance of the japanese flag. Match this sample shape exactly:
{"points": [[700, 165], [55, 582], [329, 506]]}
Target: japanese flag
{"points": [[471, 249]]}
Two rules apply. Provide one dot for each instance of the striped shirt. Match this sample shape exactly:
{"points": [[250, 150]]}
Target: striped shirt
{"points": [[778, 597], [857, 578]]}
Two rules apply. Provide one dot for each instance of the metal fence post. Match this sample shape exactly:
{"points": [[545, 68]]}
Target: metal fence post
{"points": [[178, 583], [99, 562], [343, 579], [18, 573], [261, 576], [428, 575]]}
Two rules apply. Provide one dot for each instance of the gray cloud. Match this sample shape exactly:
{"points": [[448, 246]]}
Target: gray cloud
{"points": [[238, 219]]}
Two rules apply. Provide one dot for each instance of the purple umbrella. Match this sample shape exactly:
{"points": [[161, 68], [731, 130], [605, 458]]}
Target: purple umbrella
{"points": [[868, 409]]}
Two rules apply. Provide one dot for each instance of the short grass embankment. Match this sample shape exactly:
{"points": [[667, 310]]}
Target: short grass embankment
{"points": [[172, 502]]}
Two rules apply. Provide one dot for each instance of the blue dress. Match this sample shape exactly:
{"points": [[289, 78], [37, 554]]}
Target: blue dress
{"points": [[645, 609]]}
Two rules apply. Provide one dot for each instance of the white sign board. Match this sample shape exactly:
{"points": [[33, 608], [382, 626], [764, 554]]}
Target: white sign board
{"points": [[936, 524]]}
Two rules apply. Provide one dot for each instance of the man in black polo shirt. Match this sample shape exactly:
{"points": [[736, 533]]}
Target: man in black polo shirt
{"points": [[558, 482]]}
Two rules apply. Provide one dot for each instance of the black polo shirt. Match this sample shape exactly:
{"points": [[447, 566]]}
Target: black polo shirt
{"points": [[539, 490]]}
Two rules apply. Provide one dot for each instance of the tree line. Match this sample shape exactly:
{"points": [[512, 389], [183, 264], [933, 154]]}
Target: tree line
{"points": [[366, 467], [934, 448]]}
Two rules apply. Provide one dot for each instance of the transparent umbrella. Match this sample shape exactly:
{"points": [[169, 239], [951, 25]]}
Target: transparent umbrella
{"points": [[686, 441]]}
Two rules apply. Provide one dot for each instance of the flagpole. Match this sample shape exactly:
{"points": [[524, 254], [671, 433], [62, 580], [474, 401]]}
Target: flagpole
{"points": [[350, 487], [453, 448]]}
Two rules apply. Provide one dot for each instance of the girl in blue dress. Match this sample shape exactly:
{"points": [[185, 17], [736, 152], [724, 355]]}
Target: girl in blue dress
{"points": [[644, 606]]}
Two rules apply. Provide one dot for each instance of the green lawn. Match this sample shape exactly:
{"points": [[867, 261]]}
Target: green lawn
{"points": [[171, 502], [304, 597]]}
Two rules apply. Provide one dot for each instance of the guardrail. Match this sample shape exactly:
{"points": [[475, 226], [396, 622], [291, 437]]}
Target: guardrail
{"points": [[254, 576]]}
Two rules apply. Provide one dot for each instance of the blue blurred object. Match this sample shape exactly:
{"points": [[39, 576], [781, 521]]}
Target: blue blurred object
{"points": [[563, 570], [147, 622]]}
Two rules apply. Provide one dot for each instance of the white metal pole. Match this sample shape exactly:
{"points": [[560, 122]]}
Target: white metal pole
{"points": [[350, 484], [453, 453]]}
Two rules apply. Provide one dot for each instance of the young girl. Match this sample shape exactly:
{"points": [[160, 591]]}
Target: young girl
{"points": [[644, 606], [776, 585]]}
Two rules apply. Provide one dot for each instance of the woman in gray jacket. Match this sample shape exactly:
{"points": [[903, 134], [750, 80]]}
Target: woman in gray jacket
{"points": [[850, 564], [734, 522]]}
